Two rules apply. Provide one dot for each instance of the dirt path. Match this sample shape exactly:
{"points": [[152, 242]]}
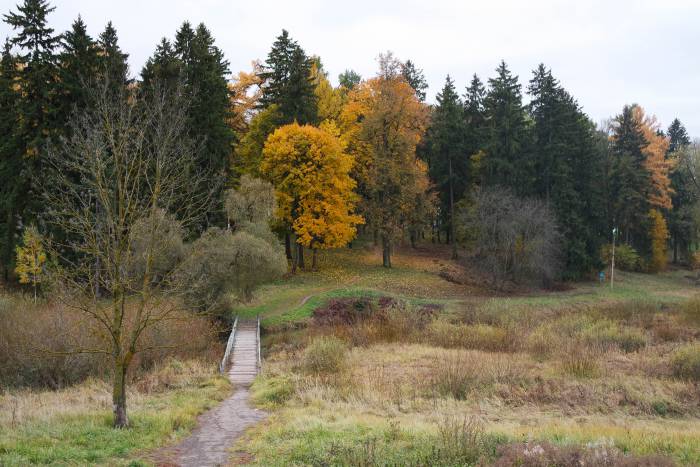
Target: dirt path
{"points": [[218, 429]]}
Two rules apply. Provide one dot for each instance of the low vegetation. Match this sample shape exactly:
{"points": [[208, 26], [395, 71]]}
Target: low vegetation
{"points": [[73, 426], [588, 375]]}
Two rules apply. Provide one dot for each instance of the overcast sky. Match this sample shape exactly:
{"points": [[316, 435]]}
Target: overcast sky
{"points": [[606, 53]]}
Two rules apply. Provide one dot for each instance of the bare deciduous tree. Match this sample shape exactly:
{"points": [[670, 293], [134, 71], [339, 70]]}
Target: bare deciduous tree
{"points": [[126, 164], [511, 238]]}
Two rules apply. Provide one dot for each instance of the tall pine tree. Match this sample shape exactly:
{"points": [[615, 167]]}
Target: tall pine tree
{"points": [[507, 161], [567, 168], [37, 122], [474, 126], [448, 162], [287, 82], [113, 65], [11, 160], [78, 69], [629, 180], [681, 218]]}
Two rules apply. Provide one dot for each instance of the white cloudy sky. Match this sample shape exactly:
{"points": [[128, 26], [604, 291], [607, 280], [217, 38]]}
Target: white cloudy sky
{"points": [[606, 53]]}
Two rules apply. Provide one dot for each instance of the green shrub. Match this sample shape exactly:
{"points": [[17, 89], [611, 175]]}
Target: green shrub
{"points": [[626, 257], [325, 355], [686, 362]]}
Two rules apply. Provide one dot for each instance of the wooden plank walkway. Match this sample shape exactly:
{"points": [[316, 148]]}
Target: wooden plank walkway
{"points": [[218, 429], [244, 357]]}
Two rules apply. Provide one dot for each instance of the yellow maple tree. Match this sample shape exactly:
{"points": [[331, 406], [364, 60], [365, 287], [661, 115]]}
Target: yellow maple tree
{"points": [[311, 175]]}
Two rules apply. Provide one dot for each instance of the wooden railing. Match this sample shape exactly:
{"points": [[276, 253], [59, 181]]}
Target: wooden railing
{"points": [[258, 339], [229, 347]]}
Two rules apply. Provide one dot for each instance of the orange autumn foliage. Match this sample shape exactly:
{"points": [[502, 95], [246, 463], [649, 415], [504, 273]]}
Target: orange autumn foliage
{"points": [[311, 175], [656, 162]]}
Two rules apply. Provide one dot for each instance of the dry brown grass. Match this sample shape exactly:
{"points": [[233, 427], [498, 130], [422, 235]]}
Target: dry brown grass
{"points": [[18, 407], [39, 343]]}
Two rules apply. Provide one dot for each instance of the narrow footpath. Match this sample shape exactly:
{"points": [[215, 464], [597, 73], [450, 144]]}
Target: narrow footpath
{"points": [[218, 429]]}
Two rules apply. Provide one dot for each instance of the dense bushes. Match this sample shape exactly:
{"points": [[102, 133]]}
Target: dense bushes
{"points": [[512, 239], [626, 257], [38, 343], [221, 264], [325, 355]]}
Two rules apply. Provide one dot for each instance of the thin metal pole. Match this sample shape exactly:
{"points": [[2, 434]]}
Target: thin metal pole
{"points": [[612, 267]]}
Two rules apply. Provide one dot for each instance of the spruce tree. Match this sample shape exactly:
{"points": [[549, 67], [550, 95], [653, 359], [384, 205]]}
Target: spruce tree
{"points": [[449, 165], [37, 113], [415, 78], [164, 67], [629, 180], [507, 161], [113, 64], [287, 82], [11, 161], [474, 124], [199, 65], [349, 79], [78, 69], [681, 218], [566, 163]]}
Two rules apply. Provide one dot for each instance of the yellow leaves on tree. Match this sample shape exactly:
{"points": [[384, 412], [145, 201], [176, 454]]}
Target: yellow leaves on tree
{"points": [[328, 99], [30, 258], [659, 237], [382, 123], [245, 92], [311, 175], [655, 161]]}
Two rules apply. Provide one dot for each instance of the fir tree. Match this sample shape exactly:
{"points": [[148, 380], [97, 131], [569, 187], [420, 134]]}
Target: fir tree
{"points": [[415, 78], [287, 82], [681, 223], [506, 161], [474, 124], [349, 79], [629, 180], [201, 68], [79, 68], [164, 67], [112, 61], [10, 159], [449, 165], [566, 163], [37, 112]]}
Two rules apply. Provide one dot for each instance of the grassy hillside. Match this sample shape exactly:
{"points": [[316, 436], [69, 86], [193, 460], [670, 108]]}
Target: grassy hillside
{"points": [[431, 372]]}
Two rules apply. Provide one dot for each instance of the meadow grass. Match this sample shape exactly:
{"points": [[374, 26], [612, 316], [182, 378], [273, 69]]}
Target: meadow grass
{"points": [[73, 426], [589, 366]]}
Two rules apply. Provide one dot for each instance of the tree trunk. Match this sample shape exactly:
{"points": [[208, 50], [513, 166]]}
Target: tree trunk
{"points": [[300, 255], [376, 237], [386, 252], [9, 236], [452, 214], [119, 395], [412, 236], [675, 249], [288, 246], [313, 260]]}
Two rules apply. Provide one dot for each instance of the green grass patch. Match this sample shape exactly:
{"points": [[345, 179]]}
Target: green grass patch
{"points": [[90, 439]]}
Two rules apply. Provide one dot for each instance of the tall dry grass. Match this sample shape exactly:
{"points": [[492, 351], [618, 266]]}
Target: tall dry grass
{"points": [[49, 345]]}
